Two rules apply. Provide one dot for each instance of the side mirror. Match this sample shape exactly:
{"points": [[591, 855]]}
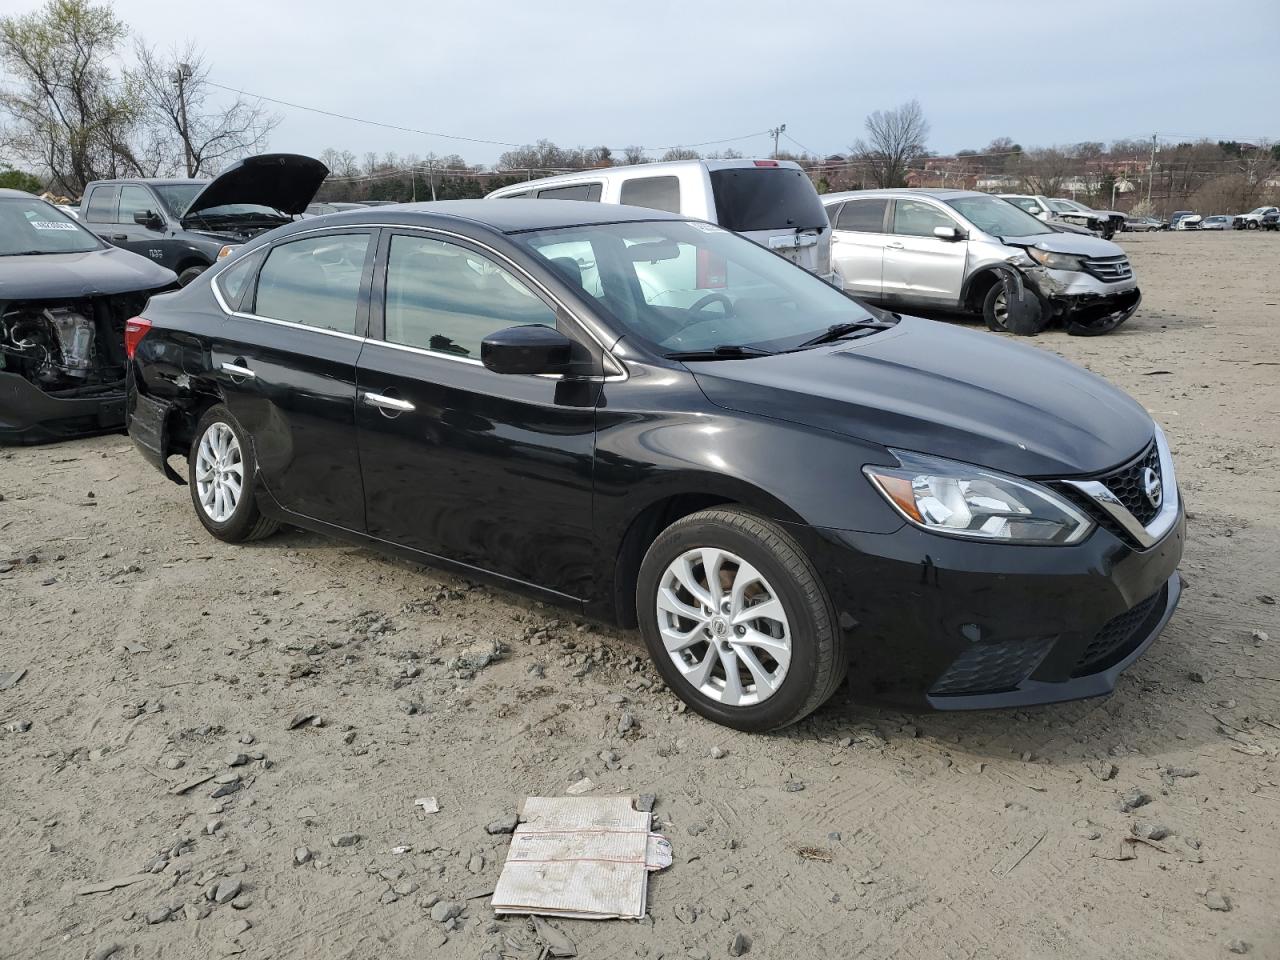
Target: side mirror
{"points": [[147, 218], [527, 349], [949, 234]]}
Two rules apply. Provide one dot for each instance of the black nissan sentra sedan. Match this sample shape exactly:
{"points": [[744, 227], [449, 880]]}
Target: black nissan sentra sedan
{"points": [[670, 427]]}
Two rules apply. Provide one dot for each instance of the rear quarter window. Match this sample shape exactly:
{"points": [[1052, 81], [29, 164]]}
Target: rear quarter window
{"points": [[574, 191], [766, 198], [656, 193], [234, 279]]}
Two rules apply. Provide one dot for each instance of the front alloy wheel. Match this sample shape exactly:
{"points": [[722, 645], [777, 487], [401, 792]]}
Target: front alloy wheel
{"points": [[737, 620], [723, 627]]}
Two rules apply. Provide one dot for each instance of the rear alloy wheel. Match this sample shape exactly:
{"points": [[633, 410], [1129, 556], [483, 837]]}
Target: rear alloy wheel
{"points": [[737, 620], [220, 471]]}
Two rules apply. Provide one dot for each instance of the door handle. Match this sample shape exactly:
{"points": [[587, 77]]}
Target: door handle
{"points": [[895, 246], [118, 236], [235, 370], [385, 403]]}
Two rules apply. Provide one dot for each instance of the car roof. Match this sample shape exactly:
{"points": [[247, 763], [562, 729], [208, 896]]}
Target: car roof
{"points": [[934, 192], [659, 169], [157, 181], [508, 216]]}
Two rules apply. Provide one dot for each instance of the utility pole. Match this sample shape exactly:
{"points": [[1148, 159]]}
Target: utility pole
{"points": [[1151, 168], [180, 78], [431, 173], [777, 132]]}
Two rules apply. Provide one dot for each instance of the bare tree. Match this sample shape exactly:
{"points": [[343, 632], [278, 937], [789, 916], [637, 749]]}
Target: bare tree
{"points": [[174, 88], [66, 112], [895, 139], [634, 154], [1045, 169], [681, 153]]}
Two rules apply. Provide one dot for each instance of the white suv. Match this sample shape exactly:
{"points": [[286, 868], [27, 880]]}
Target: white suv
{"points": [[949, 250], [772, 202]]}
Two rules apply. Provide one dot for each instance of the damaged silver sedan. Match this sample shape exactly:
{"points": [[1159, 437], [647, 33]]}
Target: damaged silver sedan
{"points": [[961, 252], [65, 300]]}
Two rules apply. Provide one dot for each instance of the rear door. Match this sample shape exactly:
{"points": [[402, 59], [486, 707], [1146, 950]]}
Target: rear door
{"points": [[858, 239], [778, 208], [919, 267], [485, 469], [287, 362]]}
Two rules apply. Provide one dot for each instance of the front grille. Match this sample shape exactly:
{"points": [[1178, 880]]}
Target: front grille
{"points": [[1129, 485], [1110, 269], [993, 667], [1118, 637]]}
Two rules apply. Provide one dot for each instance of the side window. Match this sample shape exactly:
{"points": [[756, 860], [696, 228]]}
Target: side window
{"points": [[657, 193], [447, 298], [314, 281], [864, 216], [1027, 204], [576, 191], [101, 207], [233, 279], [135, 199], [516, 196], [911, 218]]}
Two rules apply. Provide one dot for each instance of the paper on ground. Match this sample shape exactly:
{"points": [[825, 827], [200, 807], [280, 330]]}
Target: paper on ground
{"points": [[586, 857]]}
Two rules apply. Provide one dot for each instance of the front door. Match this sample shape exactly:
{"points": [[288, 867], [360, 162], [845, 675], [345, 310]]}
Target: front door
{"points": [[919, 267], [151, 239], [858, 236], [287, 360], [485, 469]]}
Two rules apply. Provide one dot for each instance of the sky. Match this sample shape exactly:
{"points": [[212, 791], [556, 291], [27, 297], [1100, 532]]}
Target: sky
{"points": [[666, 72]]}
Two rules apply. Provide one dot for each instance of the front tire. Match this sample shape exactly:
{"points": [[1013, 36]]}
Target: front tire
{"points": [[220, 472], [995, 309], [189, 274], [738, 622]]}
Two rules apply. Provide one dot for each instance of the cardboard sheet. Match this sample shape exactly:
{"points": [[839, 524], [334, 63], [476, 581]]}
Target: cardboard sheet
{"points": [[586, 857]]}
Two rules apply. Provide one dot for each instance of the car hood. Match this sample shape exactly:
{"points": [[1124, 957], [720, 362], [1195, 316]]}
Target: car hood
{"points": [[94, 273], [935, 389], [1074, 243], [285, 181]]}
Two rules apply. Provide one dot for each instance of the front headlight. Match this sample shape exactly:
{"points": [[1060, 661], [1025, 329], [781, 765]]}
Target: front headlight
{"points": [[1056, 261], [961, 500]]}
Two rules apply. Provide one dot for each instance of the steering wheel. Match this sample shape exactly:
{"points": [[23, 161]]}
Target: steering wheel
{"points": [[710, 298]]}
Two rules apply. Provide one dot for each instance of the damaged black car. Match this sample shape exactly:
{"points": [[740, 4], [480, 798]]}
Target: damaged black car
{"points": [[65, 298]]}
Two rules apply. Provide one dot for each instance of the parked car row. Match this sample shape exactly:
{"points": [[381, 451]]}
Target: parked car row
{"points": [[641, 415], [1059, 210]]}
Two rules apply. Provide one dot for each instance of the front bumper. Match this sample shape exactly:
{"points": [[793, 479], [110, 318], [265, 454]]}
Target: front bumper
{"points": [[1084, 304], [29, 415], [948, 624]]}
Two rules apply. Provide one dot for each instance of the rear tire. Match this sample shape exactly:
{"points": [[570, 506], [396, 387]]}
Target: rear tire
{"points": [[785, 662], [221, 471]]}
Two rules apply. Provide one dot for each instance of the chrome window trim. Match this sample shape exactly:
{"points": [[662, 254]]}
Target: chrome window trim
{"points": [[606, 352], [1170, 506]]}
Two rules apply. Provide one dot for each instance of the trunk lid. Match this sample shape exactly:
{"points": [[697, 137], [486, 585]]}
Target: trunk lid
{"points": [[774, 204]]}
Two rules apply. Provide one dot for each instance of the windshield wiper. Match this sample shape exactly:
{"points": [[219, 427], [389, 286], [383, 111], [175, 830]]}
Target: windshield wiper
{"points": [[724, 351], [839, 330]]}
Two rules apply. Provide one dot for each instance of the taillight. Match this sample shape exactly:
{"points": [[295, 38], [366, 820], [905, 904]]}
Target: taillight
{"points": [[766, 163], [134, 330]]}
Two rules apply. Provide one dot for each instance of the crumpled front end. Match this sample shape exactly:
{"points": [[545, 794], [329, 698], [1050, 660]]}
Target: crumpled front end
{"points": [[62, 366]]}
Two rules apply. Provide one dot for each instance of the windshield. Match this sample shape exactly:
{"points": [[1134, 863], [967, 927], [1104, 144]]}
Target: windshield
{"points": [[178, 196], [686, 286], [31, 226], [1067, 206], [1000, 218], [766, 198]]}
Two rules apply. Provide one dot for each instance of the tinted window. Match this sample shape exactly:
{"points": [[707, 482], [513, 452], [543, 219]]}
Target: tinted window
{"points": [[101, 207], [232, 280], [447, 298], [314, 281], [517, 196], [864, 216], [766, 198], [656, 193], [576, 191], [911, 218], [134, 199]]}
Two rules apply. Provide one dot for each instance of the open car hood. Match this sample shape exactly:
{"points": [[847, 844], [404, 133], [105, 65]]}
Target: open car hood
{"points": [[285, 181]]}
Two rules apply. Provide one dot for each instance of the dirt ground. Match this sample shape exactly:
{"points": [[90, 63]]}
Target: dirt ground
{"points": [[154, 655]]}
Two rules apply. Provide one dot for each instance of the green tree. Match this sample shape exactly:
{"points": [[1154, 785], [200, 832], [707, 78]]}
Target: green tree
{"points": [[20, 180], [67, 113]]}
